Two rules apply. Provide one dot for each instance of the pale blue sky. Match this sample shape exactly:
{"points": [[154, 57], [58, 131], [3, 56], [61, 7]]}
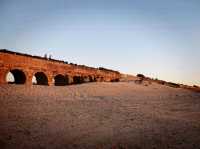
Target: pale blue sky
{"points": [[159, 38]]}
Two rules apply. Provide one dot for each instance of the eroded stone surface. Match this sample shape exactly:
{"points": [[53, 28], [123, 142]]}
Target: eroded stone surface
{"points": [[24, 67]]}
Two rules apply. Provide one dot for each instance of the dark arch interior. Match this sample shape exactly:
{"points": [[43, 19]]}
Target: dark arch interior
{"points": [[77, 79], [92, 78], [19, 76], [115, 80], [41, 78], [86, 79], [60, 80]]}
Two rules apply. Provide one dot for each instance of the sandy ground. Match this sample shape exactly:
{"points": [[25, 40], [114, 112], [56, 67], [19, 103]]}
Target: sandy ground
{"points": [[99, 115]]}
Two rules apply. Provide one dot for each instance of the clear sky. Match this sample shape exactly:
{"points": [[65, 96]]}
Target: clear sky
{"points": [[159, 38]]}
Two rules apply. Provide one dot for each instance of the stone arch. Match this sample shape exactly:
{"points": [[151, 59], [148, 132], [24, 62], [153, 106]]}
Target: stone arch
{"points": [[86, 79], [91, 78], [99, 78], [60, 80], [115, 80], [95, 79], [77, 80], [16, 76], [40, 78]]}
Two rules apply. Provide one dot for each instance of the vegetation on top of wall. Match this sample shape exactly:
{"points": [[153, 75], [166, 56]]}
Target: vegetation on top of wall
{"points": [[171, 84], [140, 76], [106, 69], [55, 60]]}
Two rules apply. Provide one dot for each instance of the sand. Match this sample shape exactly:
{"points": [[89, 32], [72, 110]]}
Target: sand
{"points": [[99, 115]]}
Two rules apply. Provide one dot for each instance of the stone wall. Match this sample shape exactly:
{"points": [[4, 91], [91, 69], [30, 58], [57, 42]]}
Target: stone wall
{"points": [[30, 65]]}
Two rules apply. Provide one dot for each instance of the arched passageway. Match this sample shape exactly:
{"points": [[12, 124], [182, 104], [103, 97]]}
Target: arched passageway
{"points": [[16, 76], [40, 79], [60, 80], [92, 78], [77, 79], [115, 80], [99, 79], [86, 79]]}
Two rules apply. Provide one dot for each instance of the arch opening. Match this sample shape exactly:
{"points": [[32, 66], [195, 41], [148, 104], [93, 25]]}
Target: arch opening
{"points": [[99, 79], [86, 79], [60, 80], [40, 79], [115, 80], [16, 76], [77, 79], [92, 78]]}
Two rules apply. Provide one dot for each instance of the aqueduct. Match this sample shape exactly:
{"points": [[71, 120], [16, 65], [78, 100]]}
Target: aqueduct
{"points": [[24, 68]]}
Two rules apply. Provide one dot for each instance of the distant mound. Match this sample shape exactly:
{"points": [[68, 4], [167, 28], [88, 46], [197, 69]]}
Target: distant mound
{"points": [[142, 79]]}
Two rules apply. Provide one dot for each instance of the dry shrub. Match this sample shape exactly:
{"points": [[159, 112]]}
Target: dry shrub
{"points": [[140, 81], [140, 76], [161, 82], [171, 84], [195, 86]]}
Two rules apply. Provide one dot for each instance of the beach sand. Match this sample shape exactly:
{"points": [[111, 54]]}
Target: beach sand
{"points": [[99, 115]]}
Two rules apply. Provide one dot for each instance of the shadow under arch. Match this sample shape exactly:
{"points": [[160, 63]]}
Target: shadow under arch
{"points": [[40, 78], [16, 76], [61, 80], [91, 78], [77, 80], [86, 79]]}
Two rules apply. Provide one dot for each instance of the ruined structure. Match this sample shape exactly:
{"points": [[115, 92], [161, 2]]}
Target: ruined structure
{"points": [[49, 71]]}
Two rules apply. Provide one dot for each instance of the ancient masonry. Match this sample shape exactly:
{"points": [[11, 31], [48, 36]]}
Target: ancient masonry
{"points": [[49, 71]]}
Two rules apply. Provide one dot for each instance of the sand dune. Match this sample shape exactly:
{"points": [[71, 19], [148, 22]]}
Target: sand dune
{"points": [[99, 115]]}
